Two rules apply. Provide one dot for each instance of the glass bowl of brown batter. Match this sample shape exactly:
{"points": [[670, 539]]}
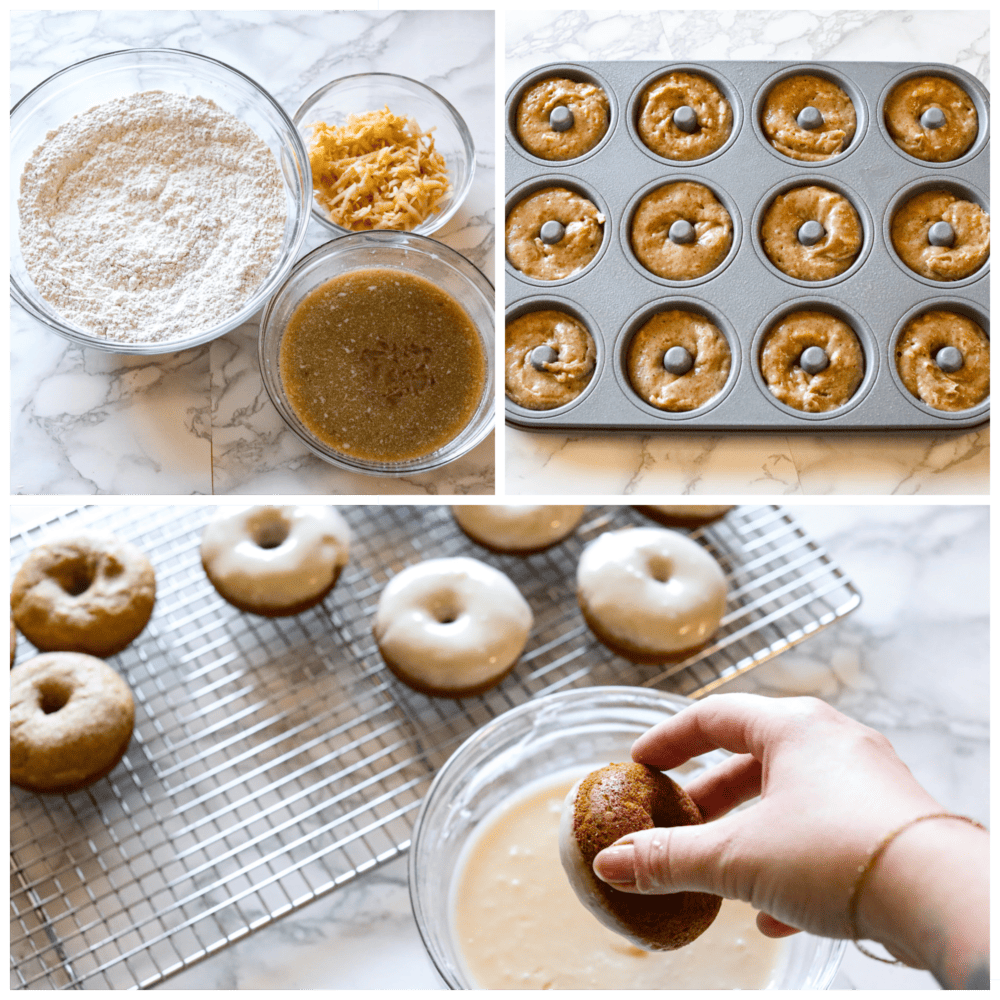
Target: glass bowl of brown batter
{"points": [[547, 743], [378, 353], [142, 266]]}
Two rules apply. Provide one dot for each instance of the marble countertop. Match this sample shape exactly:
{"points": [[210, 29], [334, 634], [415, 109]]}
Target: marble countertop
{"points": [[199, 421], [947, 462], [912, 661]]}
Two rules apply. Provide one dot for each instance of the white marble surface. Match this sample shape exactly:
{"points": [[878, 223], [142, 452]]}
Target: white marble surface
{"points": [[776, 464], [911, 661], [84, 422]]}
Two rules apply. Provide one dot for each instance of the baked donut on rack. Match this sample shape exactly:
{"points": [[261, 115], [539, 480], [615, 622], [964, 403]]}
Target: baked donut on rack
{"points": [[675, 515], [275, 561], [451, 627], [71, 719], [605, 806], [89, 592], [650, 594], [517, 528]]}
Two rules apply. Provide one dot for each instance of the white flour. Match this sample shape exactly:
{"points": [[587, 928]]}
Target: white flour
{"points": [[151, 217]]}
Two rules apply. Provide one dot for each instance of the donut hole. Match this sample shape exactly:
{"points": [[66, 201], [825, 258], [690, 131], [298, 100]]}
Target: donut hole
{"points": [[52, 696], [270, 532], [75, 576], [659, 567], [445, 608]]}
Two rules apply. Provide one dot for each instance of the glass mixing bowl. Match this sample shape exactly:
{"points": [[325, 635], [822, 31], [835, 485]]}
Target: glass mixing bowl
{"points": [[374, 91], [117, 74], [588, 726], [410, 253]]}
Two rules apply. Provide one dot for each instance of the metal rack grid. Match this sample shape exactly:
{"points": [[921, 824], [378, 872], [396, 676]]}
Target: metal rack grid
{"points": [[275, 759]]}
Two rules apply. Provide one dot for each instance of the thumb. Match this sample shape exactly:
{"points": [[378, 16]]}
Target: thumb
{"points": [[674, 859]]}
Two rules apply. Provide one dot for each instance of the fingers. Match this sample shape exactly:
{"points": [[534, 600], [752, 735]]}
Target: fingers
{"points": [[726, 786], [685, 858], [772, 928]]}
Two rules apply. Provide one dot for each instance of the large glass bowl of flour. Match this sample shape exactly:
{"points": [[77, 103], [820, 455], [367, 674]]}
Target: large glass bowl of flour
{"points": [[560, 733], [118, 75]]}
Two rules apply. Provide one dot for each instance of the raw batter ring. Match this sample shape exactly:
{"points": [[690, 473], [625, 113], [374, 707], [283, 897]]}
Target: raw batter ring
{"points": [[681, 139], [788, 131], [579, 132], [945, 139]]}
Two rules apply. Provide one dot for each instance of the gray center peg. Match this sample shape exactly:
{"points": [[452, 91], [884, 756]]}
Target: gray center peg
{"points": [[561, 119], [810, 233], [814, 360], [809, 118], [677, 360], [949, 359], [941, 234], [686, 119], [541, 356], [681, 231], [552, 231], [932, 118]]}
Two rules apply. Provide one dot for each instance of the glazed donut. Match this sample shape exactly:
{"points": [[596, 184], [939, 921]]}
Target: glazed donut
{"points": [[832, 254], [916, 353], [519, 528], [681, 202], [906, 105], [607, 805], [706, 347], [88, 593], [543, 384], [588, 105], [659, 131], [583, 227], [684, 515], [649, 594], [784, 103], [13, 641], [910, 231], [71, 719], [451, 627], [781, 361], [275, 561]]}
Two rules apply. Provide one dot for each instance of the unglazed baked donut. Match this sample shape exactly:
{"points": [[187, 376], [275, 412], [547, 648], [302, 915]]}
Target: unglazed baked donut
{"points": [[649, 594], [832, 254], [451, 627], [588, 105], [519, 528], [583, 231], [683, 202], [910, 231], [907, 103], [656, 125], [916, 353], [71, 719], [607, 805], [781, 354], [674, 515], [275, 561], [788, 98], [554, 380], [89, 593], [706, 347]]}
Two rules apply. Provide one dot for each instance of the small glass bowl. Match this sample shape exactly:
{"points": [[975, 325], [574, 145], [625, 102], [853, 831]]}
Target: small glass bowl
{"points": [[372, 92], [95, 81], [588, 726], [410, 253]]}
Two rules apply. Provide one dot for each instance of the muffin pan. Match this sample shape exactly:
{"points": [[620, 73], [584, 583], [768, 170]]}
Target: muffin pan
{"points": [[746, 293]]}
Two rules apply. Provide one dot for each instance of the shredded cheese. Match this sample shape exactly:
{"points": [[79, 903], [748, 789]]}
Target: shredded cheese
{"points": [[377, 171]]}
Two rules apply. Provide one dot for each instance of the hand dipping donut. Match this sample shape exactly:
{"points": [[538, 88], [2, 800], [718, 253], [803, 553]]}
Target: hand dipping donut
{"points": [[600, 810]]}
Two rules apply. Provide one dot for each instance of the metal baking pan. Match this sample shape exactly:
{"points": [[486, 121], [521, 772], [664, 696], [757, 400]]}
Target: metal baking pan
{"points": [[877, 295]]}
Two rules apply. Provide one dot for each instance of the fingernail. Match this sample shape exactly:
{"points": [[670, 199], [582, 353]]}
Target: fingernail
{"points": [[616, 865]]}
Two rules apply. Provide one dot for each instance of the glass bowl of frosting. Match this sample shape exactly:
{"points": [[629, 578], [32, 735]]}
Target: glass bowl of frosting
{"points": [[158, 199], [489, 895]]}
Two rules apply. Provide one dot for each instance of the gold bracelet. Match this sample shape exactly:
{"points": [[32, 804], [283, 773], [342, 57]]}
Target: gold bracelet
{"points": [[865, 870]]}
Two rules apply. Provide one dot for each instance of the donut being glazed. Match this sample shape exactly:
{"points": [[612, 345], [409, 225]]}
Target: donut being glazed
{"points": [[605, 806], [275, 561], [518, 527], [451, 627], [650, 594]]}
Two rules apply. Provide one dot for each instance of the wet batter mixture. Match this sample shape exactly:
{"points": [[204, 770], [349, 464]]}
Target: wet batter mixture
{"points": [[382, 365], [917, 349], [588, 105], [788, 98], [970, 224], [519, 925], [558, 380], [908, 102], [533, 256], [662, 98]]}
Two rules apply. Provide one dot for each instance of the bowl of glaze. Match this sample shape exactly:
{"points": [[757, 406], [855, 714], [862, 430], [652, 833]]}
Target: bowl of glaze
{"points": [[95, 81], [408, 253], [558, 732], [362, 92]]}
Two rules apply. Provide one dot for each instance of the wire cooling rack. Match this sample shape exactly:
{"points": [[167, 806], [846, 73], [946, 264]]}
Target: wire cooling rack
{"points": [[275, 759]]}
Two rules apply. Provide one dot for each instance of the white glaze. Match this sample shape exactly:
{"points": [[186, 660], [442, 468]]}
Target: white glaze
{"points": [[489, 625], [518, 527], [306, 562], [652, 588]]}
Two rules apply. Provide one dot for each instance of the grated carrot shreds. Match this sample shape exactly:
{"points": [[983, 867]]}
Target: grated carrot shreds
{"points": [[377, 171]]}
